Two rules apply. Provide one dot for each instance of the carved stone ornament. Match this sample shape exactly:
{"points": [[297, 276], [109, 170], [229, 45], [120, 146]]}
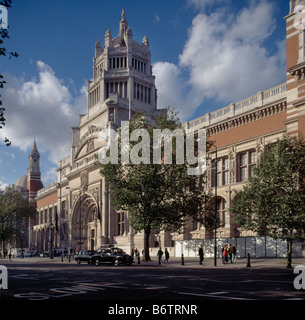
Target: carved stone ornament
{"points": [[84, 180]]}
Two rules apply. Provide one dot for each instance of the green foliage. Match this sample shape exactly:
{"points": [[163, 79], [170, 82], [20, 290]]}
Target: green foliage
{"points": [[14, 209], [273, 200], [157, 196], [4, 52]]}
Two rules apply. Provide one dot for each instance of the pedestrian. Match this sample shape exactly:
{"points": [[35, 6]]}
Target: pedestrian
{"points": [[224, 255], [159, 254], [166, 255], [200, 253], [10, 257], [230, 251], [234, 253]]}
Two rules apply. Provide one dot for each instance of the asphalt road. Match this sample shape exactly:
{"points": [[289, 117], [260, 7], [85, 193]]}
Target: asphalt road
{"points": [[175, 287]]}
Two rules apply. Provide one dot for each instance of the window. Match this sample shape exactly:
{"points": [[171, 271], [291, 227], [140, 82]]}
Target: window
{"points": [[222, 172], [301, 45], [117, 62], [141, 92], [242, 166], [221, 212], [121, 223], [252, 162], [246, 164], [195, 224]]}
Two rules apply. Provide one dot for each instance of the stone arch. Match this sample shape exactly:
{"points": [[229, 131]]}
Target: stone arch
{"points": [[84, 222]]}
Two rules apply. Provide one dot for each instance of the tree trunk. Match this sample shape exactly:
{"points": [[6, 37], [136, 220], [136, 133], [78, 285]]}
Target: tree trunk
{"points": [[146, 244]]}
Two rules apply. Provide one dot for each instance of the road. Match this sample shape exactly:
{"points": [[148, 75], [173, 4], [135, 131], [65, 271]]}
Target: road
{"points": [[42, 279]]}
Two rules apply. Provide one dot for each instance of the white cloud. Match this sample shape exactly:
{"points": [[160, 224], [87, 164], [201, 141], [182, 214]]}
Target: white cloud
{"points": [[49, 176], [225, 58], [43, 108], [202, 4], [3, 185]]}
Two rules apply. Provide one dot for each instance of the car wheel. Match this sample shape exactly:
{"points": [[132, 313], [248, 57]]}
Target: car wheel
{"points": [[78, 261], [97, 263], [116, 262]]}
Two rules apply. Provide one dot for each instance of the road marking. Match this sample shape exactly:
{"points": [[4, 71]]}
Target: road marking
{"points": [[209, 295], [217, 293]]}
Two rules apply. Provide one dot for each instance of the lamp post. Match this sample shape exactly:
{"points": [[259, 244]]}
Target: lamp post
{"points": [[51, 242], [80, 220], [215, 205], [215, 226]]}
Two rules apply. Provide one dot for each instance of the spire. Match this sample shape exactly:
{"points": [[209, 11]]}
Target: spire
{"points": [[34, 150], [108, 38], [123, 24], [98, 48], [34, 159]]}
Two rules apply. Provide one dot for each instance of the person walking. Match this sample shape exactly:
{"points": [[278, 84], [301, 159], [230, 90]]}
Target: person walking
{"points": [[234, 253], [159, 254], [200, 253], [230, 251], [224, 255], [166, 255]]}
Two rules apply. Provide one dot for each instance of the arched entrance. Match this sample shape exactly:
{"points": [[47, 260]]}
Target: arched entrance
{"points": [[84, 223]]}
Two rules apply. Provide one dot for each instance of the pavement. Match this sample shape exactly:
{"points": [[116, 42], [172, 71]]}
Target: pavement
{"points": [[176, 262]]}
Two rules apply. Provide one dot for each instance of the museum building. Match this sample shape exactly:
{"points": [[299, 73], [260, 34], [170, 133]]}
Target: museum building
{"points": [[75, 212]]}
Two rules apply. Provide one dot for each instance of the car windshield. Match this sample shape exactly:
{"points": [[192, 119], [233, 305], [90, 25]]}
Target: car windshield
{"points": [[117, 251]]}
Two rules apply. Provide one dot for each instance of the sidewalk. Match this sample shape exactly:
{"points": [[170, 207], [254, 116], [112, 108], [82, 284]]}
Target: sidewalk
{"points": [[175, 262], [239, 263]]}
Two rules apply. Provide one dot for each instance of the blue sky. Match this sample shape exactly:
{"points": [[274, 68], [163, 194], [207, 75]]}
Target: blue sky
{"points": [[205, 55]]}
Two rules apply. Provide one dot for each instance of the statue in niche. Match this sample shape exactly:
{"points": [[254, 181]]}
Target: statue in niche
{"points": [[90, 146], [84, 180]]}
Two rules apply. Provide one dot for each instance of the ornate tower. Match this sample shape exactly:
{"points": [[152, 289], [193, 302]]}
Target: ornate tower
{"points": [[33, 172], [122, 76]]}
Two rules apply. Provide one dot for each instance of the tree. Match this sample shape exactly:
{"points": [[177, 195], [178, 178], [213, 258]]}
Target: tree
{"points": [[273, 200], [14, 210], [3, 52], [156, 195]]}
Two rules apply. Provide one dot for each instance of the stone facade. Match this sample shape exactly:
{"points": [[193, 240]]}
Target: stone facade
{"points": [[78, 208], [122, 84]]}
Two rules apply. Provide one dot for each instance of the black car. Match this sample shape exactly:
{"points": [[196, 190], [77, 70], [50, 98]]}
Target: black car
{"points": [[114, 256], [84, 256]]}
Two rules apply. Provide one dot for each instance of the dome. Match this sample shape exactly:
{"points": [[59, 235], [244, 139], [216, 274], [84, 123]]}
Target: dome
{"points": [[22, 182]]}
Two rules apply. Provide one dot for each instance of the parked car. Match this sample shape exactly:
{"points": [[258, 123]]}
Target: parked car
{"points": [[84, 256], [114, 256], [29, 254]]}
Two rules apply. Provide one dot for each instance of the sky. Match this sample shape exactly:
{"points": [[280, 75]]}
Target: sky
{"points": [[205, 54]]}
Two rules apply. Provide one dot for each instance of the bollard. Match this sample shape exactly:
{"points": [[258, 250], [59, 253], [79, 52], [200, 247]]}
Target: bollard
{"points": [[289, 261], [62, 258], [139, 259], [248, 261], [182, 259]]}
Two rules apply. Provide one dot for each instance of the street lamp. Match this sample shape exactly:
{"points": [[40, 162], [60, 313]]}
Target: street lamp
{"points": [[51, 231], [215, 204], [215, 229], [80, 220]]}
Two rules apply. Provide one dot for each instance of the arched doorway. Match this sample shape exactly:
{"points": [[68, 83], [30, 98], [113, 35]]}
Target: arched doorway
{"points": [[84, 223]]}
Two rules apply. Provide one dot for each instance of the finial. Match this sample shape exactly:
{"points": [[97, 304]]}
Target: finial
{"points": [[145, 41], [123, 14]]}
